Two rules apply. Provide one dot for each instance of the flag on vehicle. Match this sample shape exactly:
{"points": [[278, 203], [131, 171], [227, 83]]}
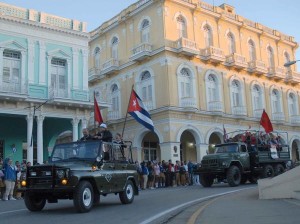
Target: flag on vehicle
{"points": [[139, 112], [266, 123], [97, 113], [225, 136]]}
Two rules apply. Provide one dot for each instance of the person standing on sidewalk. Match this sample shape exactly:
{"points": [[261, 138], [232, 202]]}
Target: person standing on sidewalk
{"points": [[9, 179]]}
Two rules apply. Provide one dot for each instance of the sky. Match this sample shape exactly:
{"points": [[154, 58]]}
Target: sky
{"points": [[281, 15]]}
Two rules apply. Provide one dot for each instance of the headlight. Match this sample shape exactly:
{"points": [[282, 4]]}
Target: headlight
{"points": [[33, 174], [60, 173], [224, 164]]}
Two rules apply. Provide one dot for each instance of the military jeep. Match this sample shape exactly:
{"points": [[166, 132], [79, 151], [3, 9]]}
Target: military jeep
{"points": [[82, 171]]}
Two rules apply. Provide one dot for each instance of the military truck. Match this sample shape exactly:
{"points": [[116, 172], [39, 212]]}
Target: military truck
{"points": [[82, 171], [243, 158]]}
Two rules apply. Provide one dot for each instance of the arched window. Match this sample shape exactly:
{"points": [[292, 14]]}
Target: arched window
{"points": [[59, 76], [114, 47], [185, 83], [208, 36], [231, 43], [271, 60], [236, 94], [212, 89], [97, 57], [292, 101], [286, 57], [181, 27], [145, 31], [257, 100], [146, 89], [276, 101], [11, 70], [252, 51]]}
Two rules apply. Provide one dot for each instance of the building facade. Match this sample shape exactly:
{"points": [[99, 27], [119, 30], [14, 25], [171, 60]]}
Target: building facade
{"points": [[197, 67], [43, 82]]}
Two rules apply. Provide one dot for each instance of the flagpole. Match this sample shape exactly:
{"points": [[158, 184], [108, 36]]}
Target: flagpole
{"points": [[94, 113], [127, 112]]}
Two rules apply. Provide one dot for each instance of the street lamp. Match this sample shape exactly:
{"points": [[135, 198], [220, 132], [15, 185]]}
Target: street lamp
{"points": [[288, 64]]}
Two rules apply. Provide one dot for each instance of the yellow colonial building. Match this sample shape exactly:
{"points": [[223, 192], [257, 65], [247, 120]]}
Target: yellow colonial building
{"points": [[196, 67]]}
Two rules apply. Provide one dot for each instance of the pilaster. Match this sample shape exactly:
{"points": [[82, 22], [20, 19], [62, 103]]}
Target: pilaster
{"points": [[40, 148]]}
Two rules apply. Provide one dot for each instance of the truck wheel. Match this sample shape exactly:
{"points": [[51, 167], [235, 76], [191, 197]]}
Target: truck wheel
{"points": [[268, 171], [233, 176], [244, 179], [34, 203], [206, 180], [83, 197], [127, 196], [279, 169]]}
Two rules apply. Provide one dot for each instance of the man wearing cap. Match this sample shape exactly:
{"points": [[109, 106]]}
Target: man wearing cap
{"points": [[104, 134]]}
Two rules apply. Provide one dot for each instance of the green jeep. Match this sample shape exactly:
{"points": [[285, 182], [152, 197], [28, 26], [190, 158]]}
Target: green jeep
{"points": [[82, 171]]}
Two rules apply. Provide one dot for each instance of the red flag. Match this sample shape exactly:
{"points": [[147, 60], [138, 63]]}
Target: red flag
{"points": [[265, 122], [97, 114]]}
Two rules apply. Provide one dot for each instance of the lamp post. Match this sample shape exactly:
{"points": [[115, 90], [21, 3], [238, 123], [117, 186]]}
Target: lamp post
{"points": [[288, 64]]}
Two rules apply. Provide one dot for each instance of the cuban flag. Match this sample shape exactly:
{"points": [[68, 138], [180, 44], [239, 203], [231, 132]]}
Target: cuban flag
{"points": [[137, 109]]}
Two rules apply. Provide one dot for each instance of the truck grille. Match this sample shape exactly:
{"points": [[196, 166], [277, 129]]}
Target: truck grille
{"points": [[209, 163]]}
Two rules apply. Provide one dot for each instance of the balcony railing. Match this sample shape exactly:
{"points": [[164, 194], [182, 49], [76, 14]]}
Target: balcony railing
{"points": [[188, 102], [141, 51], [212, 54], [295, 119], [236, 60], [186, 46], [239, 110], [293, 77], [278, 116], [257, 66], [58, 93], [94, 74], [276, 73], [12, 87], [110, 66], [215, 106], [113, 115], [257, 113], [148, 104]]}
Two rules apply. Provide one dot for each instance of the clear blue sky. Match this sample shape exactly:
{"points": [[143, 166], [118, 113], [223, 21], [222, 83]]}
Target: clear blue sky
{"points": [[282, 15]]}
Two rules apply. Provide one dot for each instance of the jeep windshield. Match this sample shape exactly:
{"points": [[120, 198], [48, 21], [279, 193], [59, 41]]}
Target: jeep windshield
{"points": [[86, 150], [228, 148]]}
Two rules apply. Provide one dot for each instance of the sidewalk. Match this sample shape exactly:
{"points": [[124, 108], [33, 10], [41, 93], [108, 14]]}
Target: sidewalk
{"points": [[245, 208]]}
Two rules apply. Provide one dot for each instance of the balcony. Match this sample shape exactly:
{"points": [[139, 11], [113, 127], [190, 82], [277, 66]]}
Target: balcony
{"points": [[293, 77], [12, 89], [236, 60], [278, 117], [148, 104], [215, 106], [110, 66], [141, 52], [186, 47], [94, 74], [257, 113], [295, 119], [276, 73], [239, 110], [257, 67], [58, 93], [212, 54], [113, 115], [188, 102]]}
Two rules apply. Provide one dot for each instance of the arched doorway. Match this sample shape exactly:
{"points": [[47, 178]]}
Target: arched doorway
{"points": [[188, 147], [150, 147], [295, 150], [214, 139]]}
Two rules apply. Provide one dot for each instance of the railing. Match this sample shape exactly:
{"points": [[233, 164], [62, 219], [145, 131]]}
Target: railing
{"points": [[267, 30], [230, 15], [111, 63], [58, 93], [239, 110], [295, 119], [278, 116], [257, 113], [249, 23], [141, 2], [12, 87], [143, 47], [148, 104], [215, 106], [188, 102], [206, 6], [236, 58], [186, 43], [113, 115], [293, 76], [212, 51]]}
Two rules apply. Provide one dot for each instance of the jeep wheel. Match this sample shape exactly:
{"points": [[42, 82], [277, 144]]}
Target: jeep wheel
{"points": [[278, 169], [83, 197], [206, 180], [34, 203], [233, 176], [268, 171], [127, 195]]}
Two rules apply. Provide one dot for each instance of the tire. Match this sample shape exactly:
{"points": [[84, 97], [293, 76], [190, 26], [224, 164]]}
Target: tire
{"points": [[83, 197], [234, 176], [279, 169], [34, 203], [244, 179], [127, 196], [252, 179], [206, 180], [268, 171]]}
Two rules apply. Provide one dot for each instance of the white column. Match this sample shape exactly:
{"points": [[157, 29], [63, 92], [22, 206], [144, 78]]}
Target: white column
{"points": [[75, 122], [170, 150], [42, 62], [69, 85], [85, 72], [75, 68], [201, 150], [50, 90], [40, 148], [30, 61], [29, 137], [23, 61], [1, 65]]}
